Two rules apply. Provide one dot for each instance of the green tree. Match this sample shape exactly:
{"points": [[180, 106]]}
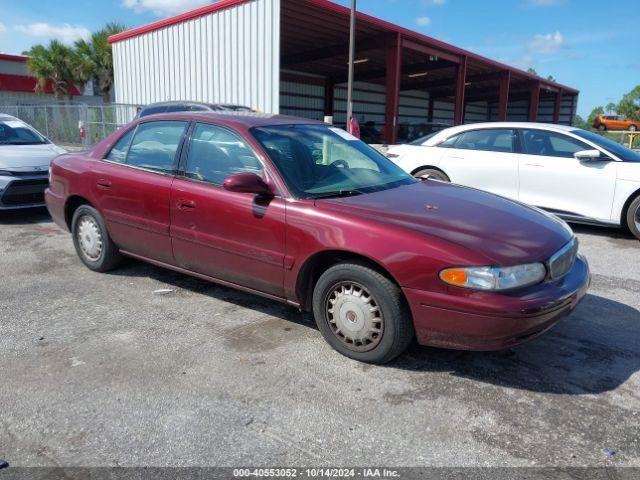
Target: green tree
{"points": [[532, 71], [56, 63], [611, 107], [551, 78], [630, 104], [97, 57]]}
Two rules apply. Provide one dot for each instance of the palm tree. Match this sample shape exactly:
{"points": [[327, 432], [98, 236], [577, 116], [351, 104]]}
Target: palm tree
{"points": [[97, 56], [58, 64]]}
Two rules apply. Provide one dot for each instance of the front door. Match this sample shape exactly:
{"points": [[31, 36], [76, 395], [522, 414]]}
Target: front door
{"points": [[132, 188], [483, 159], [552, 178], [235, 237]]}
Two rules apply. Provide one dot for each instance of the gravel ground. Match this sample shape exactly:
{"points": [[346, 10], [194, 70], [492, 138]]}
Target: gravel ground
{"points": [[98, 370]]}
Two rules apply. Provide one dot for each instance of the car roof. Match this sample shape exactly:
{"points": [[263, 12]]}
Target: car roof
{"points": [[541, 126], [190, 102], [4, 116], [235, 119]]}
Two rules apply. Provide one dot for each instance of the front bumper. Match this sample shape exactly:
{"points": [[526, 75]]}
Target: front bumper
{"points": [[22, 191], [492, 321]]}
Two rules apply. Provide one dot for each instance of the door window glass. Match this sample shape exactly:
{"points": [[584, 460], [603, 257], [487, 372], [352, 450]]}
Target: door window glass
{"points": [[215, 153], [450, 142], [155, 145], [119, 151], [551, 144], [491, 140]]}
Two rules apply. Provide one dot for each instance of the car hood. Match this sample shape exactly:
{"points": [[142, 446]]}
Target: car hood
{"points": [[505, 232], [23, 157]]}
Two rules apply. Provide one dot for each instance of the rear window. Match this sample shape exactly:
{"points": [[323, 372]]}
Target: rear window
{"points": [[152, 146]]}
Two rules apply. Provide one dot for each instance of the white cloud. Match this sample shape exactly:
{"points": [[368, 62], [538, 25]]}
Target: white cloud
{"points": [[423, 21], [163, 7], [65, 33], [2, 28], [546, 44]]}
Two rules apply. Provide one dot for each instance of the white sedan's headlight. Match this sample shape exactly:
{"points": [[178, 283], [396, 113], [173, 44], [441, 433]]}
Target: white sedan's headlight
{"points": [[495, 278]]}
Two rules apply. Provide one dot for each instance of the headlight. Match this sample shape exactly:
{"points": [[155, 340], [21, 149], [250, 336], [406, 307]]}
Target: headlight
{"points": [[495, 278]]}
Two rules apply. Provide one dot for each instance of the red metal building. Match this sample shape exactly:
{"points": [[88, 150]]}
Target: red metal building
{"points": [[403, 79]]}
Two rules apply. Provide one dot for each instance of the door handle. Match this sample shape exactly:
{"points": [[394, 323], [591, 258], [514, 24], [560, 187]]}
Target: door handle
{"points": [[104, 184], [186, 204], [534, 165]]}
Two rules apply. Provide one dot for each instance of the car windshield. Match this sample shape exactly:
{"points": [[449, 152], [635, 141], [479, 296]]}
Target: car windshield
{"points": [[620, 151], [15, 132], [322, 161]]}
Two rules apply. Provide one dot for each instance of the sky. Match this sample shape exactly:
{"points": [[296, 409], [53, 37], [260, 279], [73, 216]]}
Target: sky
{"points": [[586, 44]]}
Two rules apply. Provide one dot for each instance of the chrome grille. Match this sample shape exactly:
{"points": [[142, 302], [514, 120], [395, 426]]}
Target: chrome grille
{"points": [[562, 261]]}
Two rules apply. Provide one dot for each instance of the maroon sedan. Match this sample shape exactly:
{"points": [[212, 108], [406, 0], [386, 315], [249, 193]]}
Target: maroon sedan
{"points": [[304, 213]]}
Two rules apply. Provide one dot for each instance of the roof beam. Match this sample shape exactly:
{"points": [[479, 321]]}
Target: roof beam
{"points": [[339, 50], [426, 50]]}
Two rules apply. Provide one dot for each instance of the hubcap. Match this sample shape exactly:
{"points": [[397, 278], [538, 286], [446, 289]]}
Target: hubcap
{"points": [[89, 237], [637, 218], [354, 316]]}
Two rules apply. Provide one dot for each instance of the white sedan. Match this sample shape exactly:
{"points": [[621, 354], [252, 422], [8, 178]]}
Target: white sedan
{"points": [[25, 155], [580, 176]]}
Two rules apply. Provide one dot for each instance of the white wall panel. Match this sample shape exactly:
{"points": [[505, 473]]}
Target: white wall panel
{"points": [[227, 56]]}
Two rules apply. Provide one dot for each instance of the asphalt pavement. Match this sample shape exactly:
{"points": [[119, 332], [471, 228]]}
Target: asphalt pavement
{"points": [[98, 370]]}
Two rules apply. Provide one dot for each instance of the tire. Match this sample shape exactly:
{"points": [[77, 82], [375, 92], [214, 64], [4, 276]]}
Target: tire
{"points": [[633, 128], [602, 128], [633, 217], [344, 297], [431, 173], [97, 251]]}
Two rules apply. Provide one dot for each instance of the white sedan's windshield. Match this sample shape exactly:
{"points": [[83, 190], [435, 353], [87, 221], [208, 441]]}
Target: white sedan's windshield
{"points": [[15, 132], [618, 150], [322, 161]]}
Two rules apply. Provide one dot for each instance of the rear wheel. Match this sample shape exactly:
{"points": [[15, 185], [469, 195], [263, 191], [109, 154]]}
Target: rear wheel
{"points": [[633, 217], [633, 128], [431, 174], [602, 127], [362, 314], [91, 239]]}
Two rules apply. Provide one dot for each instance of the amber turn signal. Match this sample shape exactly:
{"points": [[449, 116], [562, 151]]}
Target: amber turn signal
{"points": [[454, 276]]}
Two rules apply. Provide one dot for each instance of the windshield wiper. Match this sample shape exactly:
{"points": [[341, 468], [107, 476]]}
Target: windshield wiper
{"points": [[340, 194]]}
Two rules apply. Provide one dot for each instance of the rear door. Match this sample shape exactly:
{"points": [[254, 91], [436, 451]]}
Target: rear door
{"points": [[483, 158], [132, 187], [552, 178], [235, 237]]}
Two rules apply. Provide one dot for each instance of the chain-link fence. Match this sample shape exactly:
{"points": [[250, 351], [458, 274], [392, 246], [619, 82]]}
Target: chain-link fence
{"points": [[73, 124]]}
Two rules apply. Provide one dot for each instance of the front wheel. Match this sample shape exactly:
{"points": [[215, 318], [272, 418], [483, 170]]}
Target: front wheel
{"points": [[633, 128], [362, 314], [431, 174], [602, 128], [633, 217], [91, 239]]}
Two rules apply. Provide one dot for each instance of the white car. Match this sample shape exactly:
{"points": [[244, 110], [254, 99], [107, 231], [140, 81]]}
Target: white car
{"points": [[580, 176], [25, 155]]}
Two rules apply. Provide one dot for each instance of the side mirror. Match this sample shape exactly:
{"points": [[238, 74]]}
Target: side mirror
{"points": [[588, 155], [247, 183]]}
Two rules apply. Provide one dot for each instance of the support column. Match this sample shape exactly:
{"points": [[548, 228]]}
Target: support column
{"points": [[503, 102], [430, 111], [574, 99], [556, 107], [329, 95], [534, 99], [458, 114], [394, 67]]}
